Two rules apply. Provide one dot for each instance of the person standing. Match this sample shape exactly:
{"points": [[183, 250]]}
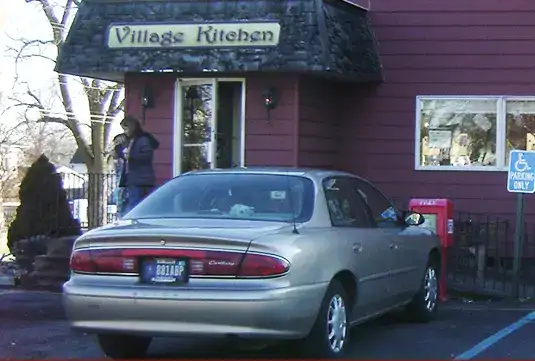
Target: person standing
{"points": [[120, 143], [139, 169]]}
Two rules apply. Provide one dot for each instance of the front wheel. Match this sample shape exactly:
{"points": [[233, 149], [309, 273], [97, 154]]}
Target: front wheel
{"points": [[124, 346], [424, 305], [329, 337]]}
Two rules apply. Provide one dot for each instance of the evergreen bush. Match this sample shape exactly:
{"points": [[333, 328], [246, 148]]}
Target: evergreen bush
{"points": [[44, 209]]}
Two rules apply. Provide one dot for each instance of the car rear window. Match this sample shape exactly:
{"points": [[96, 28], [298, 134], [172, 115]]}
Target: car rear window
{"points": [[263, 197]]}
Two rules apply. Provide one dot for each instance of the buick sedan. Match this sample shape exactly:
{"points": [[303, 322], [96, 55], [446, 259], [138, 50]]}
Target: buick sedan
{"points": [[265, 255]]}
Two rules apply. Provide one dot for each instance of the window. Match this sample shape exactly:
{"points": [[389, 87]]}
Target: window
{"points": [[345, 209], [520, 126], [260, 197], [382, 210], [472, 133]]}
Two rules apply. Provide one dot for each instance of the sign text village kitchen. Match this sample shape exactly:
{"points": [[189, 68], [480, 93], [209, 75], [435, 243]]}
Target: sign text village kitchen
{"points": [[193, 35]]}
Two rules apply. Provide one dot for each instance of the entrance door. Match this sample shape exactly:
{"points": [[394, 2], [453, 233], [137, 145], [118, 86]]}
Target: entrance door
{"points": [[209, 124]]}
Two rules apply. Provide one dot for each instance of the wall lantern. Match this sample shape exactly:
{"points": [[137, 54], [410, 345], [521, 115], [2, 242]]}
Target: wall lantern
{"points": [[270, 100], [147, 101]]}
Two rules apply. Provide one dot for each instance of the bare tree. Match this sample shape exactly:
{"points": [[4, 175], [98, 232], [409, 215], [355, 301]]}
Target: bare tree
{"points": [[55, 142], [105, 101], [9, 155]]}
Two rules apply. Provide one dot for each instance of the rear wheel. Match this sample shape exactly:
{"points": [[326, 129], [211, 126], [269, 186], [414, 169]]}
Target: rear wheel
{"points": [[124, 346], [424, 305], [330, 334]]}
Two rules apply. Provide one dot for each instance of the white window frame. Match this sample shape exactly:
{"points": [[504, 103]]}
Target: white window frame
{"points": [[177, 118], [501, 132]]}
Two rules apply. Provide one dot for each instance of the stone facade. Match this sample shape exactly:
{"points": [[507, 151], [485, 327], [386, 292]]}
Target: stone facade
{"points": [[325, 37]]}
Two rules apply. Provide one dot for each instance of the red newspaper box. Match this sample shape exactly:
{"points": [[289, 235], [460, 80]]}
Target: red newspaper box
{"points": [[438, 215]]}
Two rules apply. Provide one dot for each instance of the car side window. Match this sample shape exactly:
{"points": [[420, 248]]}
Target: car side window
{"points": [[345, 209], [383, 212]]}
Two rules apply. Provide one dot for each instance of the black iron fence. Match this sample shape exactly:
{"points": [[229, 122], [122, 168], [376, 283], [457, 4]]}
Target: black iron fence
{"points": [[482, 259], [92, 198]]}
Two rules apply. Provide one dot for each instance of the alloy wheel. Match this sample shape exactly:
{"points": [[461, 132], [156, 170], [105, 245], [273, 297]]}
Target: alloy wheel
{"points": [[337, 323], [431, 289]]}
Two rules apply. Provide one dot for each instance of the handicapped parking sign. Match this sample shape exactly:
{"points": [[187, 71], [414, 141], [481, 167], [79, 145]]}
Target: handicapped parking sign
{"points": [[521, 174]]}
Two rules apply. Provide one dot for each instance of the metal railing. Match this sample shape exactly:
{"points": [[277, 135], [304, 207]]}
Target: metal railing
{"points": [[92, 197], [482, 256]]}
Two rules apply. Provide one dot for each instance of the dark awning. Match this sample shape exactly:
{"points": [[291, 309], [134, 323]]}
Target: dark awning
{"points": [[109, 38]]}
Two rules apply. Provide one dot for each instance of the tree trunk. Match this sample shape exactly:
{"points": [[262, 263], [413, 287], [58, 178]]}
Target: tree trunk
{"points": [[97, 207], [97, 190]]}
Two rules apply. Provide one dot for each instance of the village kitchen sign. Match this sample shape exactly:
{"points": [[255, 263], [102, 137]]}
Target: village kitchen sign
{"points": [[121, 36]]}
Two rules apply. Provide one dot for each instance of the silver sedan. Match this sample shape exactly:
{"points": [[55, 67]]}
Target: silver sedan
{"points": [[257, 254]]}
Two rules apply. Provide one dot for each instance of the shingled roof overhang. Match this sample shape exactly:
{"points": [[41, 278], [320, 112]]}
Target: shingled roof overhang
{"points": [[329, 38]]}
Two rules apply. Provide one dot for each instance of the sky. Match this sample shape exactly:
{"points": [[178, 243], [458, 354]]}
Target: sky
{"points": [[19, 19]]}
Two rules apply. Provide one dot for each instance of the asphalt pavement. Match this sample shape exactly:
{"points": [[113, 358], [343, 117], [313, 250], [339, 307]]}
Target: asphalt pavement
{"points": [[32, 325]]}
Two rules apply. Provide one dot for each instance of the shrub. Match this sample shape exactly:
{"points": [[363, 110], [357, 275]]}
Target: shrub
{"points": [[43, 209]]}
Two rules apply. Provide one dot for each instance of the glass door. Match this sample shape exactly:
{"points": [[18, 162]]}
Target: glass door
{"points": [[197, 125]]}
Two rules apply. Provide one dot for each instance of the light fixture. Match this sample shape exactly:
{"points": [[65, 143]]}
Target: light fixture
{"points": [[147, 102], [270, 100], [147, 99]]}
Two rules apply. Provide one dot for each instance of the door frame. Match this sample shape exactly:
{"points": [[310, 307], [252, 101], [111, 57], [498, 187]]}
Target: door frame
{"points": [[177, 117]]}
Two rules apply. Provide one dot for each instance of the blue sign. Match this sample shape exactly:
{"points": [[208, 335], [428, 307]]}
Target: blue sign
{"points": [[521, 175]]}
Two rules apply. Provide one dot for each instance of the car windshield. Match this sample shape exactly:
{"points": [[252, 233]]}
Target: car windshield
{"points": [[263, 197]]}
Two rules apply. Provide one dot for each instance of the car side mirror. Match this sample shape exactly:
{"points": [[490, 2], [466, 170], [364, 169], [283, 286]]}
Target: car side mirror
{"points": [[413, 218]]}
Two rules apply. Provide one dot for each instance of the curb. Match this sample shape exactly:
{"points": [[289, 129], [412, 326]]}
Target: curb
{"points": [[476, 293]]}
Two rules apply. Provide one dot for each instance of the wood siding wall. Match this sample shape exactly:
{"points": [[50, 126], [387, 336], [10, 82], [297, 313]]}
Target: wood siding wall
{"points": [[319, 120], [159, 120], [271, 142], [442, 47], [268, 142]]}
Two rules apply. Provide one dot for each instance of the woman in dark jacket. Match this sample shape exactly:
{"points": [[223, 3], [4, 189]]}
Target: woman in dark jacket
{"points": [[120, 142], [139, 171]]}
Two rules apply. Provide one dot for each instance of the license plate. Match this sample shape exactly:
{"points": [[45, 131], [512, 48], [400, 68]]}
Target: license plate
{"points": [[165, 270]]}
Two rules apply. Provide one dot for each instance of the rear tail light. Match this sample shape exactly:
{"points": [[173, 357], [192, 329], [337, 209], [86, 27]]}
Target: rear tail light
{"points": [[202, 263], [261, 265], [103, 261]]}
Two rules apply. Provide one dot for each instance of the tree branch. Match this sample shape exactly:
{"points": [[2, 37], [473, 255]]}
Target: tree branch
{"points": [[55, 23], [19, 53], [66, 12], [115, 106]]}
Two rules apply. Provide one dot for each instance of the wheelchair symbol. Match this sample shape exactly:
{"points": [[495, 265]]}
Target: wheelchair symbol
{"points": [[521, 165]]}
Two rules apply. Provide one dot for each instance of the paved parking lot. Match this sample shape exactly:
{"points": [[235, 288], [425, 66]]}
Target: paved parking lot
{"points": [[32, 326]]}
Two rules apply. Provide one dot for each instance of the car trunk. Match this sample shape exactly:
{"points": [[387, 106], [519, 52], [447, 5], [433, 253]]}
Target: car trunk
{"points": [[187, 247]]}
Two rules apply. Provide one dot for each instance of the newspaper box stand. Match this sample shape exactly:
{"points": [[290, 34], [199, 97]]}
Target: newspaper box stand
{"points": [[438, 214]]}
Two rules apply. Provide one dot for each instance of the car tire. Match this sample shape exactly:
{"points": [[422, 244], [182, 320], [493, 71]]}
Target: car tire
{"points": [[123, 346], [318, 344], [424, 305]]}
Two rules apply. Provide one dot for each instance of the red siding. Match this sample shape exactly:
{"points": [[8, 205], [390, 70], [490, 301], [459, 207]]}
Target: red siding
{"points": [[271, 142], [159, 120], [441, 47], [318, 124]]}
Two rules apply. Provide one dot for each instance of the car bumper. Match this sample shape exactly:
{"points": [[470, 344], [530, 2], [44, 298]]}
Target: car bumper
{"points": [[282, 313]]}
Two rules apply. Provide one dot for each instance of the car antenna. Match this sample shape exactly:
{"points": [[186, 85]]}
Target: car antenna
{"points": [[290, 198]]}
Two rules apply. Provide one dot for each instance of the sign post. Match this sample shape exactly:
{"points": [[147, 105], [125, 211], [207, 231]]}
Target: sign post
{"points": [[520, 180]]}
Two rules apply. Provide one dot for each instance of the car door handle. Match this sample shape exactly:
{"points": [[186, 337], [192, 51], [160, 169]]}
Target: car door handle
{"points": [[357, 247], [393, 246]]}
